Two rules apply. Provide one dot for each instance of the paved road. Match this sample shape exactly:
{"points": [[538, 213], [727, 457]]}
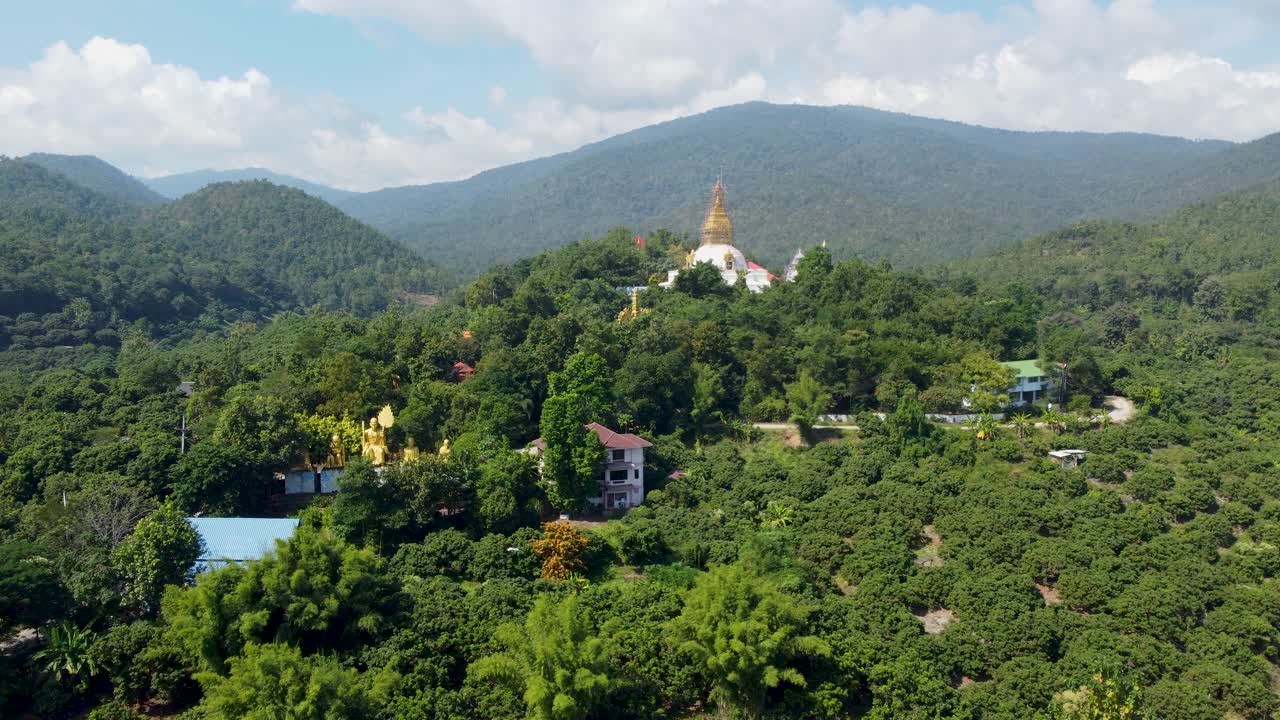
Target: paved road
{"points": [[1121, 410], [789, 426]]}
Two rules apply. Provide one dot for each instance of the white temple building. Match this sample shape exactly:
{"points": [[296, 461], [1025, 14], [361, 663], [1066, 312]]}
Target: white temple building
{"points": [[793, 268], [717, 248]]}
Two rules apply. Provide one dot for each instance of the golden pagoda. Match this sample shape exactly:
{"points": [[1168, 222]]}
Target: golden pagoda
{"points": [[717, 229]]}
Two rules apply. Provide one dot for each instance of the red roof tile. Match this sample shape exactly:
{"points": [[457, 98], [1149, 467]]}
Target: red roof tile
{"points": [[615, 440], [608, 438]]}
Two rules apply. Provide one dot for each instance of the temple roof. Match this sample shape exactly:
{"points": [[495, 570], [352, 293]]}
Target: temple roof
{"points": [[717, 229]]}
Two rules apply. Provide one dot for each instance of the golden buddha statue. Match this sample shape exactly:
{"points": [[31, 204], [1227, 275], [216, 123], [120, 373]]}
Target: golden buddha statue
{"points": [[444, 449], [337, 451], [373, 443], [717, 229], [411, 452]]}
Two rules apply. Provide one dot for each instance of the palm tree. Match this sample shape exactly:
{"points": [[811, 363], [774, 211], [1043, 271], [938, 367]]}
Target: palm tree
{"points": [[67, 654], [777, 515], [1054, 420], [986, 427], [1022, 425]]}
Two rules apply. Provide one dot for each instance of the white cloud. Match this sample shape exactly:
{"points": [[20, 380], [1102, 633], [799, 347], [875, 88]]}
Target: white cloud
{"points": [[1039, 64]]}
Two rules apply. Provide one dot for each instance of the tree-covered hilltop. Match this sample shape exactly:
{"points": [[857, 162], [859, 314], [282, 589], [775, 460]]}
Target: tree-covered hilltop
{"points": [[99, 176], [899, 569], [27, 186], [180, 184], [873, 184], [1216, 261], [80, 270]]}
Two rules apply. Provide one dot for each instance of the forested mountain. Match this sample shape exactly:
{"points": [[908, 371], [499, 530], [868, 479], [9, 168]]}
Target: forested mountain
{"points": [[1220, 255], [175, 186], [874, 184], [79, 268], [99, 176], [26, 186]]}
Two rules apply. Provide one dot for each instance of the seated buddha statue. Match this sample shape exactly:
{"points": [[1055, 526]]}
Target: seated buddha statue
{"points": [[411, 452]]}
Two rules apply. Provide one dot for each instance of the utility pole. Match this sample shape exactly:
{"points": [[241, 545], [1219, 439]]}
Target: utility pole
{"points": [[1062, 384], [187, 388]]}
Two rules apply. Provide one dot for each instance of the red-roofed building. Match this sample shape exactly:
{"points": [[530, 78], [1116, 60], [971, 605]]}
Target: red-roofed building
{"points": [[462, 372], [622, 483]]}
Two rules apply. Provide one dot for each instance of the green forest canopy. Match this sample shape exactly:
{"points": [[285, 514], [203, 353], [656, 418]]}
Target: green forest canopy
{"points": [[81, 269], [904, 570]]}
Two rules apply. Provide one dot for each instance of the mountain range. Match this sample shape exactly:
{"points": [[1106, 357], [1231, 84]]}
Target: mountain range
{"points": [[175, 186], [82, 267], [884, 186]]}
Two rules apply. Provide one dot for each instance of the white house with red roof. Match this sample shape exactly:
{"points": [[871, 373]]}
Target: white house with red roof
{"points": [[622, 479]]}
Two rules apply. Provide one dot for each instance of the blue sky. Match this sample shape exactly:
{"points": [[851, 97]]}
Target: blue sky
{"points": [[366, 93]]}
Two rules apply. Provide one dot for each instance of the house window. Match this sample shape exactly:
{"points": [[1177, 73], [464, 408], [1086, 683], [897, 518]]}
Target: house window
{"points": [[637, 473], [617, 476], [619, 455]]}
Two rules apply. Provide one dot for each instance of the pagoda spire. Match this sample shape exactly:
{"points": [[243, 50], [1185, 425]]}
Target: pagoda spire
{"points": [[717, 228]]}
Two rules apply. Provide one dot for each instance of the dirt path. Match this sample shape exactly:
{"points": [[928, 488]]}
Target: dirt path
{"points": [[1122, 408]]}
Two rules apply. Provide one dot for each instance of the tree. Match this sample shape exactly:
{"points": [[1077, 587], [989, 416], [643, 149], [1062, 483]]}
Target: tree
{"points": [[162, 551], [30, 590], [1022, 425], [263, 428], [67, 655], [777, 515], [988, 378], [1054, 420], [579, 395], [275, 681], [743, 632], [573, 457], [908, 419], [370, 510], [316, 591], [507, 490], [561, 548], [807, 399], [1103, 697], [218, 479], [986, 427], [560, 668], [587, 376]]}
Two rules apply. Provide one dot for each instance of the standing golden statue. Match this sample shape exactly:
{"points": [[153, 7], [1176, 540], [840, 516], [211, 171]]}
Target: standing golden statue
{"points": [[373, 439], [373, 443]]}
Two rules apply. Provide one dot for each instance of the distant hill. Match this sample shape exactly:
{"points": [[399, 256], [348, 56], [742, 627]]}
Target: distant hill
{"points": [[26, 185], [98, 176], [175, 186], [877, 184], [78, 268], [1221, 254]]}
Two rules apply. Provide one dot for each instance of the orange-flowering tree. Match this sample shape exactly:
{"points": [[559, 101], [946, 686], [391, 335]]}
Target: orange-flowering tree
{"points": [[561, 549]]}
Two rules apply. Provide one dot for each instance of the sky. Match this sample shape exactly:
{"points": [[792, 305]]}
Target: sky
{"points": [[363, 94]]}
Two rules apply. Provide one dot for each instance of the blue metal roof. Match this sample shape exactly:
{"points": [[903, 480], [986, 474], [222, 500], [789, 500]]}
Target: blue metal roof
{"points": [[228, 540]]}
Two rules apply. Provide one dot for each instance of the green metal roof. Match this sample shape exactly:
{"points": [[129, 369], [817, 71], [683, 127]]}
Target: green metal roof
{"points": [[1025, 368]]}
